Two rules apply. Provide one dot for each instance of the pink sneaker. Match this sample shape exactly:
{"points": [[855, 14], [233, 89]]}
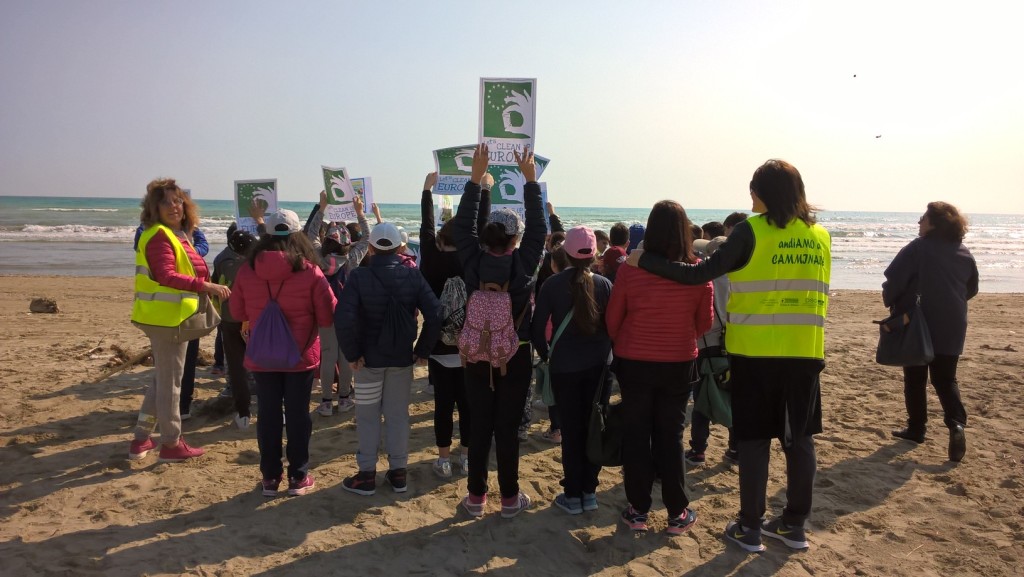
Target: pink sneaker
{"points": [[139, 449], [474, 505], [270, 487], [179, 453], [296, 488]]}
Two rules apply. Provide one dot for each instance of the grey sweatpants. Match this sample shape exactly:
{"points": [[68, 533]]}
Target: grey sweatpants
{"points": [[382, 392], [160, 403], [330, 354]]}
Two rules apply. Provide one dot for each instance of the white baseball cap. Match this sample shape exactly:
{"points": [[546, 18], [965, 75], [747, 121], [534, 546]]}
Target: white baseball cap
{"points": [[385, 236], [283, 222]]}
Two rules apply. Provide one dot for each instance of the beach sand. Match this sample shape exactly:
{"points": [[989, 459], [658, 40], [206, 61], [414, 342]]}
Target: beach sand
{"points": [[72, 504]]}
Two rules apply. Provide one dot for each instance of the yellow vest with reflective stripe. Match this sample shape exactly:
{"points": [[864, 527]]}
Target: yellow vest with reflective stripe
{"points": [[156, 304], [777, 302]]}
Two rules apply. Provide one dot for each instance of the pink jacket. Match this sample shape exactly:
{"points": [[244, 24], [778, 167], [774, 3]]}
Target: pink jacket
{"points": [[160, 258], [654, 319], [305, 298]]}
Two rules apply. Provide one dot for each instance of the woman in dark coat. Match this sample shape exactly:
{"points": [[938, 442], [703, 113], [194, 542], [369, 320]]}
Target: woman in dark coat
{"points": [[939, 268]]}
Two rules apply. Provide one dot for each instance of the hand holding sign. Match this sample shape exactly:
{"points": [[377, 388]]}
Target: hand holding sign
{"points": [[430, 181]]}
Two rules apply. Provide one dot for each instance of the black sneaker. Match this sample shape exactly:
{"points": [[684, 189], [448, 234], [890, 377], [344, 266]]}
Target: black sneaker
{"points": [[732, 455], [748, 539], [693, 457], [681, 524], [957, 444], [793, 537], [362, 483], [396, 478]]}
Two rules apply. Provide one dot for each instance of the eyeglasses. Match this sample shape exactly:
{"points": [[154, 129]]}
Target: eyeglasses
{"points": [[173, 201]]}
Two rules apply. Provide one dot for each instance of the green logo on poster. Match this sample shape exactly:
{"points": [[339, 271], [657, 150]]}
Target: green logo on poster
{"points": [[508, 110]]}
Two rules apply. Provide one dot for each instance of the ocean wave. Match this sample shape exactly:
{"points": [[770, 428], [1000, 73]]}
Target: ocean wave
{"points": [[54, 209]]}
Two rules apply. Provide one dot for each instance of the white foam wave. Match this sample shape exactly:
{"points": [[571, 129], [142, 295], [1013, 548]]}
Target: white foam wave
{"points": [[54, 209]]}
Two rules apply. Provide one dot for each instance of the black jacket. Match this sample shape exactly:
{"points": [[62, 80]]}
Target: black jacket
{"points": [[436, 265], [518, 268], [359, 315], [946, 276]]}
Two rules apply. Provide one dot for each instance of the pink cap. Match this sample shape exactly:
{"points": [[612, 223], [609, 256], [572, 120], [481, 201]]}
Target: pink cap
{"points": [[580, 242]]}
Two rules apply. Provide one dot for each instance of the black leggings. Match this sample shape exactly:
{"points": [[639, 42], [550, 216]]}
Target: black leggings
{"points": [[449, 392], [915, 392]]}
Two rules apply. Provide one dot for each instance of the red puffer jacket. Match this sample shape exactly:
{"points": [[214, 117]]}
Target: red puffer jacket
{"points": [[305, 298], [654, 319]]}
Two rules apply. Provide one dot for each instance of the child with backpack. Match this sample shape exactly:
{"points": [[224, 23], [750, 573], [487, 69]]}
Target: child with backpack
{"points": [[494, 342], [440, 266], [575, 300], [379, 341], [285, 297]]}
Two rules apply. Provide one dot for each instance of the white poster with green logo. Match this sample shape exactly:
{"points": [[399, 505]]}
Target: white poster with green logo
{"points": [[341, 190], [508, 109], [455, 164], [262, 193]]}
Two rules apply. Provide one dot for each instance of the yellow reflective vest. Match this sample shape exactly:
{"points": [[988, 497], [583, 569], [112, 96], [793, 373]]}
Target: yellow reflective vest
{"points": [[156, 304], [778, 300]]}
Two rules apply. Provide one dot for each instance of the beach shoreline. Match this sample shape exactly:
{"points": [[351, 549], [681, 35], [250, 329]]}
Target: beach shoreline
{"points": [[72, 503]]}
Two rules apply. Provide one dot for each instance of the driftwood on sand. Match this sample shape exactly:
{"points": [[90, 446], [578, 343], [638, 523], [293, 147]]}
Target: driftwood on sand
{"points": [[131, 362]]}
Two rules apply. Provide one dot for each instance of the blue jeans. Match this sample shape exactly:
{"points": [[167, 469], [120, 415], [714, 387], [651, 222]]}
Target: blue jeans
{"points": [[292, 389]]}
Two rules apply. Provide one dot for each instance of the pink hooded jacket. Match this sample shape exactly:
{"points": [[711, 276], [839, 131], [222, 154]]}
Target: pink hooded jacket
{"points": [[305, 298]]}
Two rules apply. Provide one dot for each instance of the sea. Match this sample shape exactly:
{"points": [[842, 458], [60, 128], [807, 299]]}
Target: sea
{"points": [[93, 236]]}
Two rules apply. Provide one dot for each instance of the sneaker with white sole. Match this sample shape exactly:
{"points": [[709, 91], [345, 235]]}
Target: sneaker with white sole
{"points": [[270, 487], [298, 487], [571, 505], [345, 404], [362, 483], [242, 422], [474, 505], [139, 449], [464, 464], [793, 537], [747, 538], [179, 452], [514, 505], [398, 479], [443, 468], [325, 408]]}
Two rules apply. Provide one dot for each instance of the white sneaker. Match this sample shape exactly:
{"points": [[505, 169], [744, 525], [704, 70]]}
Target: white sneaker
{"points": [[464, 464], [345, 404], [325, 409], [443, 469], [242, 422]]}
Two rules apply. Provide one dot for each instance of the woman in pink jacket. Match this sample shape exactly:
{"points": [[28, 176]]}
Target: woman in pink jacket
{"points": [[280, 268], [654, 324]]}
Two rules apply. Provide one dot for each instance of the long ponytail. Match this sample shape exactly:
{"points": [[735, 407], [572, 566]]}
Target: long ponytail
{"points": [[586, 317]]}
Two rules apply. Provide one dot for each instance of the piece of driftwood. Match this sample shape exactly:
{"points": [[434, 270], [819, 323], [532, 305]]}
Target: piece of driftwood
{"points": [[44, 305], [125, 365]]}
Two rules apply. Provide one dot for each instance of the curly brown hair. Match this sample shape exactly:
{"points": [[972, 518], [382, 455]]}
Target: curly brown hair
{"points": [[159, 189], [947, 222]]}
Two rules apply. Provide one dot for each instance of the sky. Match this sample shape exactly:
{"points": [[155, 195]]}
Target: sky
{"points": [[881, 105]]}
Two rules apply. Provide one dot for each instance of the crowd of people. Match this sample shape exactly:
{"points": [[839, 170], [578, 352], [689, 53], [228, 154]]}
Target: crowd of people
{"points": [[495, 300]]}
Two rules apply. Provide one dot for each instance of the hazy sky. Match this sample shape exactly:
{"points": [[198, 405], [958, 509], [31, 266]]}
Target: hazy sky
{"points": [[636, 101]]}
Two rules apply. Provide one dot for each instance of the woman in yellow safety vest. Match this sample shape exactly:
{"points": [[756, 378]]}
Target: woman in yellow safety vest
{"points": [[778, 263], [169, 275]]}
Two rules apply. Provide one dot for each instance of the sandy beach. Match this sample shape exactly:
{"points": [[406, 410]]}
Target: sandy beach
{"points": [[71, 503]]}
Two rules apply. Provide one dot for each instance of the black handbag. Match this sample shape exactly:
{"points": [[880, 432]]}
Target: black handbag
{"points": [[604, 433], [904, 340]]}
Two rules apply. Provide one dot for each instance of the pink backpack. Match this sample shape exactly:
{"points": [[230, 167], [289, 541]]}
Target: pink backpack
{"points": [[489, 333]]}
